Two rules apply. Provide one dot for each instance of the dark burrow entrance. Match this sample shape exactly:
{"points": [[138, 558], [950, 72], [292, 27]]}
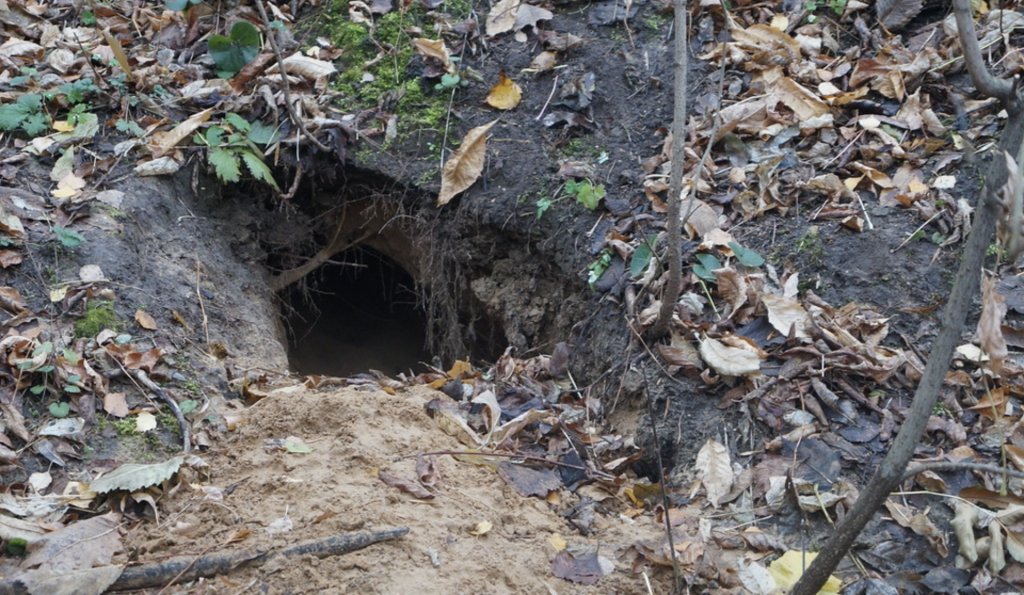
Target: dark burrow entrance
{"points": [[358, 313]]}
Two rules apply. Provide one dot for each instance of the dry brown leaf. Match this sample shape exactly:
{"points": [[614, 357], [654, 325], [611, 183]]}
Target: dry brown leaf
{"points": [[715, 471], [502, 17], [785, 313], [729, 361], [115, 404], [145, 320], [465, 165], [406, 485], [434, 48], [963, 526], [895, 14], [544, 61], [506, 94], [990, 333], [165, 141]]}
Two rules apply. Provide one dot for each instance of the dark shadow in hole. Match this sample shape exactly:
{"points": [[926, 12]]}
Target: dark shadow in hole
{"points": [[356, 317]]}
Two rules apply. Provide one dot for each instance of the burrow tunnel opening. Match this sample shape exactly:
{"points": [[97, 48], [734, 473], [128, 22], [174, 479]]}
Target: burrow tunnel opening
{"points": [[377, 294], [361, 314]]}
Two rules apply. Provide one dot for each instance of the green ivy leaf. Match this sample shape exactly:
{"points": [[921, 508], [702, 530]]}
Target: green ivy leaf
{"points": [[641, 258], [68, 238], [225, 163], [746, 257], [707, 264], [71, 388], [188, 406], [60, 410], [232, 53]]}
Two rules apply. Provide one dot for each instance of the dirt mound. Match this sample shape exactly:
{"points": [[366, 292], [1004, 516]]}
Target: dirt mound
{"points": [[335, 489]]}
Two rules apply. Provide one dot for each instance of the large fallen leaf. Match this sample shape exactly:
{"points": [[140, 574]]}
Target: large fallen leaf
{"points": [[785, 313], [506, 94], [715, 471], [729, 361], [502, 17], [787, 569], [165, 141], [434, 48], [894, 14], [81, 545], [132, 477], [990, 332], [464, 166]]}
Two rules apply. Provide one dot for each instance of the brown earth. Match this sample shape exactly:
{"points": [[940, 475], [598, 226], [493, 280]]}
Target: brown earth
{"points": [[335, 489]]}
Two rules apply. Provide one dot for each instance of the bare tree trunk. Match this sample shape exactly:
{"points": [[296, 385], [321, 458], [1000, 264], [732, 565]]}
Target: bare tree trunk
{"points": [[673, 253], [889, 474]]}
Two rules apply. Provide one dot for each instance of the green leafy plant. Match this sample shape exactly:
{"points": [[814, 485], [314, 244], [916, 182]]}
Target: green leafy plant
{"points": [[746, 257], [75, 92], [236, 143], [706, 264], [641, 257], [188, 406], [181, 5], [60, 410], [25, 114], [837, 6], [67, 238], [586, 193], [598, 267], [232, 53]]}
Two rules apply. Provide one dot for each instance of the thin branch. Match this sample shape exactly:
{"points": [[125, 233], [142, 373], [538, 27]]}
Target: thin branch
{"points": [[674, 253], [292, 114], [987, 83]]}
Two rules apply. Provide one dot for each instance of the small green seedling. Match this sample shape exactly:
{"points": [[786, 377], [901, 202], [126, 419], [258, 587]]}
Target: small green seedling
{"points": [[706, 264], [746, 257], [641, 257], [236, 143], [232, 53], [60, 410], [67, 238], [25, 114], [586, 193], [598, 267]]}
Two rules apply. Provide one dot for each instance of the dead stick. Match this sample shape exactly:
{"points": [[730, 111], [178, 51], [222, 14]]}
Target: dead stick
{"points": [[675, 227], [189, 568]]}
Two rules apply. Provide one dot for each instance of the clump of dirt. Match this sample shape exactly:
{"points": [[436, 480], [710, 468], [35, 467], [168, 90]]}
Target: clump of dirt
{"points": [[354, 434]]}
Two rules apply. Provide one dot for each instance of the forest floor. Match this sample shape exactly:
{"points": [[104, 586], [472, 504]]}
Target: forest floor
{"points": [[417, 296]]}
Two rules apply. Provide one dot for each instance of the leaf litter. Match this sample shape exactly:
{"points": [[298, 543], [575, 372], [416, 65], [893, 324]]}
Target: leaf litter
{"points": [[810, 125]]}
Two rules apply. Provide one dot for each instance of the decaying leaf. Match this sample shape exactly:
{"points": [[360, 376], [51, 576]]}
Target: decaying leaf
{"points": [[990, 333], [963, 526], [715, 471], [895, 14], [145, 422], [785, 314], [146, 320], [409, 486], [132, 477], [506, 94], [465, 165], [729, 361]]}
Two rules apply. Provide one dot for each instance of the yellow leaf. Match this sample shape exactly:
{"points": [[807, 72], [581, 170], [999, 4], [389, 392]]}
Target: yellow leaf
{"points": [[58, 294], [63, 126], [506, 94], [459, 368], [557, 542], [481, 528], [465, 165], [145, 422], [787, 570]]}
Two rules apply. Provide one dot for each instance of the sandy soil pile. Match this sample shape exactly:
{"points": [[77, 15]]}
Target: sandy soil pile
{"points": [[335, 489]]}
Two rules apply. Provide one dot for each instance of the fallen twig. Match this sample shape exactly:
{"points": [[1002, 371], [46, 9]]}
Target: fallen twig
{"points": [[189, 568]]}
